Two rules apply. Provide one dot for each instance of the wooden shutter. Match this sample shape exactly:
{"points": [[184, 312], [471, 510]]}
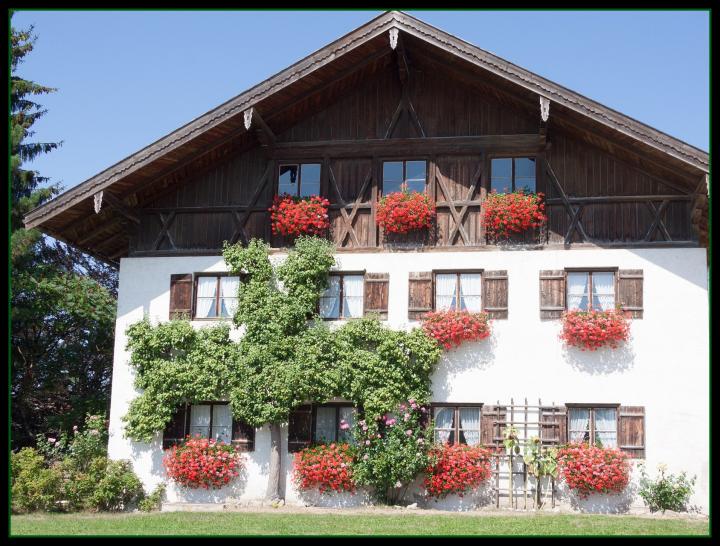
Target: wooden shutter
{"points": [[181, 288], [491, 432], [495, 294], [420, 294], [552, 294], [630, 291], [377, 291], [553, 425], [243, 435], [631, 430], [300, 428], [176, 430]]}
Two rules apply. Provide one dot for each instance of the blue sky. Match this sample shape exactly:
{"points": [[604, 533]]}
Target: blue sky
{"points": [[127, 78]]}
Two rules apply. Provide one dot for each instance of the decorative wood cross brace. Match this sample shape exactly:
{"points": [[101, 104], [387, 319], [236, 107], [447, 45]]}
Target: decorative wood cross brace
{"points": [[166, 220], [348, 219], [458, 228], [574, 213], [241, 220], [657, 221]]}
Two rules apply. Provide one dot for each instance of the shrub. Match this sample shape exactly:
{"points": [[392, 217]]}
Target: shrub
{"points": [[325, 467], [508, 213], [297, 216], [667, 491], [450, 328], [79, 484], [588, 469], [402, 212], [200, 462], [392, 450], [81, 447], [594, 329], [118, 487], [154, 500], [456, 469], [34, 486]]}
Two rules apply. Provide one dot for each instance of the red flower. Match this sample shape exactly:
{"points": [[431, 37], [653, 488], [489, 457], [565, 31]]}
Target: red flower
{"points": [[296, 216], [595, 329], [507, 213], [200, 462], [456, 469], [401, 212], [325, 467], [589, 469], [450, 328]]}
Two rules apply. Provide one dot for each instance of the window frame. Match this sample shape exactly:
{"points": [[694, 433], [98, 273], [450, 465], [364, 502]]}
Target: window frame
{"points": [[245, 443], [457, 272], [404, 160], [338, 406], [299, 165], [590, 271], [514, 155], [342, 275], [592, 407], [196, 276], [457, 406]]}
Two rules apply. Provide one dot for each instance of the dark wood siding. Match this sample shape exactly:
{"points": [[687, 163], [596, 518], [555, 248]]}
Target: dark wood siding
{"points": [[495, 294], [377, 294], [631, 430], [181, 291], [420, 294], [552, 294], [630, 291]]}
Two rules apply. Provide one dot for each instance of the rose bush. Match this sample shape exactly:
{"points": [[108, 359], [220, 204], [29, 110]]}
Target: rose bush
{"points": [[200, 462], [299, 216], [456, 469], [588, 469], [402, 212], [450, 328], [326, 467], [508, 213], [591, 330]]}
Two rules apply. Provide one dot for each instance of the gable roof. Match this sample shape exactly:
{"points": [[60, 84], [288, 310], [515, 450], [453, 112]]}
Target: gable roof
{"points": [[63, 216]]}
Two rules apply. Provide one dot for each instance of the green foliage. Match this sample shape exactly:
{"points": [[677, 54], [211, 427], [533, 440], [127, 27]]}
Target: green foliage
{"points": [[153, 501], [541, 461], [34, 486], [79, 448], [667, 491], [117, 489]]}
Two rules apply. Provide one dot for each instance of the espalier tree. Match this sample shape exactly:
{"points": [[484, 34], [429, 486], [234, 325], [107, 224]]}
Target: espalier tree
{"points": [[284, 358]]}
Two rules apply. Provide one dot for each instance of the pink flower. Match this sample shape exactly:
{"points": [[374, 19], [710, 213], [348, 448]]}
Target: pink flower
{"points": [[75, 427], [344, 425], [407, 417], [367, 442], [52, 440], [408, 432], [365, 457]]}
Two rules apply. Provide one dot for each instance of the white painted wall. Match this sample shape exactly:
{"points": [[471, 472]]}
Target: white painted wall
{"points": [[665, 366]]}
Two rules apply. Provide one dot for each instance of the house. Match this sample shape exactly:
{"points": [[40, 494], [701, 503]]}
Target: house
{"points": [[398, 104]]}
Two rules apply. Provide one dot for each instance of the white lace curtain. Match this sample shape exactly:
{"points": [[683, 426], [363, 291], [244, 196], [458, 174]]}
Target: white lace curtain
{"points": [[222, 423], [445, 287], [325, 425], [353, 295], [470, 425], [579, 425], [444, 424], [229, 295], [206, 297], [577, 291], [470, 292], [606, 427], [330, 300], [603, 287], [200, 420]]}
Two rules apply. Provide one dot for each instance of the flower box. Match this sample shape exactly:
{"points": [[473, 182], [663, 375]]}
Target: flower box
{"points": [[202, 463], [590, 470], [592, 330], [450, 328], [405, 212], [325, 468], [456, 470], [505, 215], [293, 216]]}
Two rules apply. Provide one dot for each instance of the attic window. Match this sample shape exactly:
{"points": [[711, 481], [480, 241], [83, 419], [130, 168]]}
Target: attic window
{"points": [[299, 180], [509, 174]]}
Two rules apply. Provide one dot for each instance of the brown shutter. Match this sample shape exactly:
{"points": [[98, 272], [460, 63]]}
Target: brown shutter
{"points": [[300, 428], [181, 288], [243, 435], [630, 291], [420, 294], [631, 430], [377, 291], [553, 425], [176, 429], [495, 294], [492, 426], [552, 294]]}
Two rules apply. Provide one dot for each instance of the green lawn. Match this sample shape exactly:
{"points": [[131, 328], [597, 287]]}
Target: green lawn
{"points": [[253, 523]]}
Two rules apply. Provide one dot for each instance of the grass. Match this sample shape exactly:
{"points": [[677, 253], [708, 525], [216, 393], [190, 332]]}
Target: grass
{"points": [[250, 523]]}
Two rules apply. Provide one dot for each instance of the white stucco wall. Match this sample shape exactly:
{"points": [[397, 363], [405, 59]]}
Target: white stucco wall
{"points": [[664, 367]]}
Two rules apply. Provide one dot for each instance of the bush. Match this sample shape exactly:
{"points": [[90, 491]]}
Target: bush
{"points": [[34, 486], [154, 500], [667, 491], [325, 467], [118, 488], [589, 469], [200, 462], [80, 447], [456, 469]]}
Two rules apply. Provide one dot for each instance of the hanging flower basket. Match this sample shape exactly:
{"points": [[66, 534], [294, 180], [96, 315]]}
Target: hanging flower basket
{"points": [[202, 463], [456, 469], [450, 328], [508, 213], [403, 212], [299, 216], [592, 330], [325, 467], [592, 470]]}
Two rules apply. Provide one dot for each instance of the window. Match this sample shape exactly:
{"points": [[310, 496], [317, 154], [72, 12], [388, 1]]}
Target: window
{"points": [[457, 424], [590, 290], [404, 176], [333, 423], [458, 291], [216, 296], [343, 297], [208, 420], [299, 180], [510, 174], [598, 423]]}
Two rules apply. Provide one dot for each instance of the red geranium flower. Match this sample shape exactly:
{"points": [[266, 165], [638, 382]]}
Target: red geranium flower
{"points": [[507, 213], [402, 212], [296, 216], [595, 329], [450, 328]]}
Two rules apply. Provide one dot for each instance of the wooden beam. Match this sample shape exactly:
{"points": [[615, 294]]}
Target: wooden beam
{"points": [[607, 199], [121, 208], [404, 146], [264, 133]]}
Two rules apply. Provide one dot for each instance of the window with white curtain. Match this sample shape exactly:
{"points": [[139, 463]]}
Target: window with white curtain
{"points": [[216, 296], [596, 424], [458, 292], [457, 424], [211, 421], [333, 423], [591, 290], [344, 297]]}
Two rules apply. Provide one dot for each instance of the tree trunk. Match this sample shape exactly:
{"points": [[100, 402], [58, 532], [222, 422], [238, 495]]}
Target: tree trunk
{"points": [[273, 487]]}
